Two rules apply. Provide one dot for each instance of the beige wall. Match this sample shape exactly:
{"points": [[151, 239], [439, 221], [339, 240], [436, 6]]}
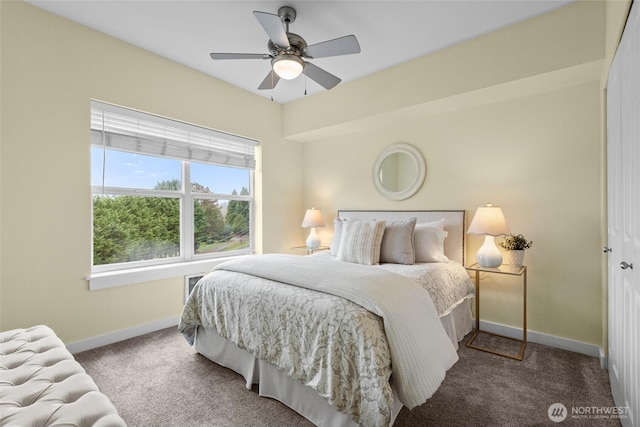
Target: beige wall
{"points": [[566, 41], [537, 157], [515, 118], [511, 118], [51, 68]]}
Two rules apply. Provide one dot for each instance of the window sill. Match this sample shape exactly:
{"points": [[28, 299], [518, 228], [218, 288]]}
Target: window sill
{"points": [[112, 279]]}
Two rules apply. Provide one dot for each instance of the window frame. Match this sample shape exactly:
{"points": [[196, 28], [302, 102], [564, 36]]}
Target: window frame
{"points": [[115, 274]]}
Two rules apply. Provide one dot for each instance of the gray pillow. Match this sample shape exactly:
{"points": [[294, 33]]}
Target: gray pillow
{"points": [[397, 242]]}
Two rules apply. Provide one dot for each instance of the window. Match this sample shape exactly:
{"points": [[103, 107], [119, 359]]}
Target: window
{"points": [[165, 191]]}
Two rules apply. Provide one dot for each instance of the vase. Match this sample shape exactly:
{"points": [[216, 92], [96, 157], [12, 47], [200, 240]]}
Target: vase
{"points": [[516, 258]]}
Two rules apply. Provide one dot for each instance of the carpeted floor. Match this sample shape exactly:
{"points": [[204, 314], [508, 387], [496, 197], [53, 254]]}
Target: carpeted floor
{"points": [[158, 380]]}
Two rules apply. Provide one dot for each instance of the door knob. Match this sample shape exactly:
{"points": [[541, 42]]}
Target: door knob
{"points": [[624, 265], [606, 249]]}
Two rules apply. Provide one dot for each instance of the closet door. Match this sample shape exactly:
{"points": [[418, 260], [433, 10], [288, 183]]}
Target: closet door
{"points": [[623, 174], [614, 231]]}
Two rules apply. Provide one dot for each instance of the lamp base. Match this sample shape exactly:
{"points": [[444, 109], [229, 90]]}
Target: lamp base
{"points": [[489, 255], [313, 242]]}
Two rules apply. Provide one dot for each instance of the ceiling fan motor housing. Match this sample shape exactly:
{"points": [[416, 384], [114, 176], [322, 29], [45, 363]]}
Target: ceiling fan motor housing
{"points": [[297, 46]]}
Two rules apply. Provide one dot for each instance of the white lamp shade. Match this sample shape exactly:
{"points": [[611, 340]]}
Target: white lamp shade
{"points": [[287, 66], [312, 218], [489, 221]]}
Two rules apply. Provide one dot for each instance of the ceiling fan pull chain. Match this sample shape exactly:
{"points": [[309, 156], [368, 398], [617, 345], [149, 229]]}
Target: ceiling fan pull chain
{"points": [[305, 85]]}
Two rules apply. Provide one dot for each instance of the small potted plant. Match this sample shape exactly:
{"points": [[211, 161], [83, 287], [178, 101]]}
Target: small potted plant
{"points": [[516, 245]]}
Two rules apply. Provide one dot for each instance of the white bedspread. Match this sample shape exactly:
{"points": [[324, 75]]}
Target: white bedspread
{"points": [[421, 352]]}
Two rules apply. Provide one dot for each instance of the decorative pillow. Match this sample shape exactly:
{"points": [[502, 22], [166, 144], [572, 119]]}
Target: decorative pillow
{"points": [[428, 241], [360, 242], [337, 236], [397, 242]]}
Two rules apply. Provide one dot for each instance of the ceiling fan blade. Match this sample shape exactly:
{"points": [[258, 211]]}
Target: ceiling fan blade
{"points": [[272, 24], [320, 76], [240, 56], [341, 46], [270, 81]]}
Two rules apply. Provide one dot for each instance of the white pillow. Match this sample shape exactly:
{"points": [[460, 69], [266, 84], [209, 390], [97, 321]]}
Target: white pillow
{"points": [[397, 242], [438, 224], [360, 242], [337, 236], [428, 242]]}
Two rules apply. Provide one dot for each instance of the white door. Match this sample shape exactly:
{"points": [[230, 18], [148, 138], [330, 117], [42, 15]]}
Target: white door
{"points": [[623, 174]]}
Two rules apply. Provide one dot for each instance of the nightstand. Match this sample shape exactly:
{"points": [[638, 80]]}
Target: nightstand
{"points": [[309, 250], [511, 271]]}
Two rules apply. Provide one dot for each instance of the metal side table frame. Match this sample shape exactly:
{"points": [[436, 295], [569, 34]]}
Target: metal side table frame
{"points": [[511, 271]]}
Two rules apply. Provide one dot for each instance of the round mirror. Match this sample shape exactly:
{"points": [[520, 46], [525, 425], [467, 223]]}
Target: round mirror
{"points": [[399, 172]]}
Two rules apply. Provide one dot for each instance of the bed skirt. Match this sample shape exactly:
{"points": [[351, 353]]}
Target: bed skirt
{"points": [[302, 399]]}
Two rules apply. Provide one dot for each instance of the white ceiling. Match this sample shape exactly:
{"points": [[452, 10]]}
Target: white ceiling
{"points": [[389, 32]]}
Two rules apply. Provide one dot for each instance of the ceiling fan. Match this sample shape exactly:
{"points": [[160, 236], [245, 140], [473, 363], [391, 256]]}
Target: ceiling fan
{"points": [[288, 51]]}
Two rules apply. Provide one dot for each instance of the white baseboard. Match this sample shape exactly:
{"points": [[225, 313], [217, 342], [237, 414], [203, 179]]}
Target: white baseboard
{"points": [[121, 335], [550, 340], [508, 331]]}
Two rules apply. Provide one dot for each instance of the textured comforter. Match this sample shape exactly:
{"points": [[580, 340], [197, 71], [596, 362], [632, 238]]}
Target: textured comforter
{"points": [[447, 283], [340, 339]]}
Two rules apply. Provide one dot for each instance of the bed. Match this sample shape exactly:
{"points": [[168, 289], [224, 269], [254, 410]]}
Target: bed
{"points": [[324, 347]]}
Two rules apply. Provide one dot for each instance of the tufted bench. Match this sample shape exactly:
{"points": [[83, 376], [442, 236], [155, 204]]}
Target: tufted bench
{"points": [[41, 384]]}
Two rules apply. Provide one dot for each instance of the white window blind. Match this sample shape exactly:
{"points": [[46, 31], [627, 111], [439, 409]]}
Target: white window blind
{"points": [[118, 128]]}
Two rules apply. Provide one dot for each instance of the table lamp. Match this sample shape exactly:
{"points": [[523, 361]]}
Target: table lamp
{"points": [[490, 222], [313, 219]]}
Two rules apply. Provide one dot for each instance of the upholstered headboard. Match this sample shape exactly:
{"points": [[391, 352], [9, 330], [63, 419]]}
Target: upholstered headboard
{"points": [[454, 223]]}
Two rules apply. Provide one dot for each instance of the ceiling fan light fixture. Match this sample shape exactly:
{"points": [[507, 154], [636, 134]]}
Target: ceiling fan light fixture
{"points": [[287, 66]]}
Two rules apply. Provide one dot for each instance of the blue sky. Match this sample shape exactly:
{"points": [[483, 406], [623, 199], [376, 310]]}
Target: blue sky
{"points": [[139, 171]]}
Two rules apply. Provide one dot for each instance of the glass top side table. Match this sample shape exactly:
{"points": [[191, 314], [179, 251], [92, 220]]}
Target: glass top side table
{"points": [[511, 271]]}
